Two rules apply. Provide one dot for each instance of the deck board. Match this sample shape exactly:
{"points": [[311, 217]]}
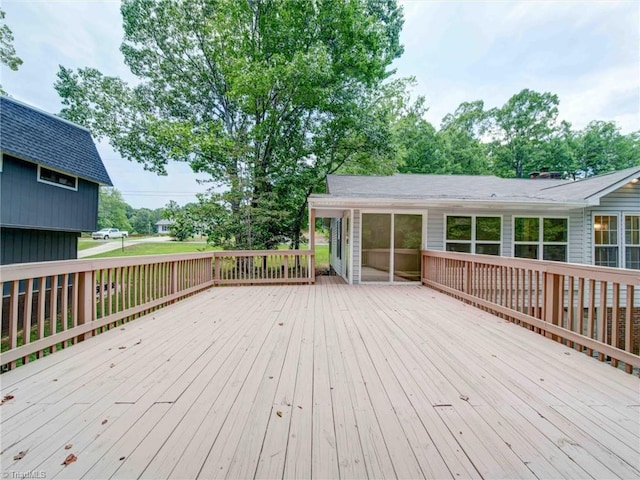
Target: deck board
{"points": [[322, 381]]}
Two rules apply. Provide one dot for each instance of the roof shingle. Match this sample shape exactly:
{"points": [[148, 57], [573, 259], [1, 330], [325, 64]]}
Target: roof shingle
{"points": [[38, 137]]}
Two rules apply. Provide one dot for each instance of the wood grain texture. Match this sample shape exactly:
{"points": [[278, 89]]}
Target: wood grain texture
{"points": [[322, 381]]}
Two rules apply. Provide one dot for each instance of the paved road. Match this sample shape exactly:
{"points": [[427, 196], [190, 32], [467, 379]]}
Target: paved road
{"points": [[109, 245]]}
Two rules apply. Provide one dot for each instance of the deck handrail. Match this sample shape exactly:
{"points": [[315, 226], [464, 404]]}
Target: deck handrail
{"points": [[84, 297], [595, 310]]}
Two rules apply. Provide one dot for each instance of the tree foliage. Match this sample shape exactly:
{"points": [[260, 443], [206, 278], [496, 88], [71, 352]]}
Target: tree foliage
{"points": [[519, 128], [265, 96], [112, 210], [8, 55]]}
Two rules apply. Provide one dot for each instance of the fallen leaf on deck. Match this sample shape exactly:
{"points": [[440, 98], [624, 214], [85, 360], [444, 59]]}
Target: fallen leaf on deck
{"points": [[122, 458], [121, 348], [300, 407], [138, 342], [70, 459], [68, 446], [567, 353], [270, 378], [279, 413], [112, 365], [6, 398], [281, 324], [20, 455], [104, 421], [464, 397], [55, 379]]}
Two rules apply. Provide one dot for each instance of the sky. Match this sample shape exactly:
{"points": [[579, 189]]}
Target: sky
{"points": [[586, 52]]}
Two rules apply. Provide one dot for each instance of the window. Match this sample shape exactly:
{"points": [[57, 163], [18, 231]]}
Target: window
{"points": [[605, 239], [46, 175], [473, 234], [616, 240], [541, 238], [632, 241]]}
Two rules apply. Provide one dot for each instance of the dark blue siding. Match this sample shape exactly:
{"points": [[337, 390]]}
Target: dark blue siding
{"points": [[18, 245], [27, 203]]}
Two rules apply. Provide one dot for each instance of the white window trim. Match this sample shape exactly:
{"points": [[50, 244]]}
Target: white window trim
{"points": [[621, 244], [540, 243], [618, 235], [473, 240], [75, 189], [626, 214], [423, 213]]}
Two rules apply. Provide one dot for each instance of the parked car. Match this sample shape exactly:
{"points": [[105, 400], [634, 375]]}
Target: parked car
{"points": [[107, 233]]}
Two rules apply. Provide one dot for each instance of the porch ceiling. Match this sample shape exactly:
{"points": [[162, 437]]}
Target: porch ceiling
{"points": [[324, 381]]}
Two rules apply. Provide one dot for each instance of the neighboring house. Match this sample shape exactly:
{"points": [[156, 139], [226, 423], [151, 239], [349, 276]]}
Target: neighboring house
{"points": [[163, 226], [380, 224], [50, 172]]}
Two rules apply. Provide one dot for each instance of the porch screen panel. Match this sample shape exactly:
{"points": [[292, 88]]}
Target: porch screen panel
{"points": [[407, 240], [376, 247]]}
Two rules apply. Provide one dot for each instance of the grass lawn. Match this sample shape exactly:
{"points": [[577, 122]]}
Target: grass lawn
{"points": [[84, 243], [322, 251], [163, 248]]}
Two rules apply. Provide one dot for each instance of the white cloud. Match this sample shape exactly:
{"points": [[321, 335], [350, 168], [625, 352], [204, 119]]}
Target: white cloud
{"points": [[587, 52]]}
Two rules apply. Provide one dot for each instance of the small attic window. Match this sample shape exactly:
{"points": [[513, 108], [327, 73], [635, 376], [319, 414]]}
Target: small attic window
{"points": [[59, 179]]}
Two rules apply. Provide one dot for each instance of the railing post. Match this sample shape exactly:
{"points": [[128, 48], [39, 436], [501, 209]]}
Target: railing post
{"points": [[174, 278], [468, 284], [286, 266], [86, 293], [553, 300], [216, 277]]}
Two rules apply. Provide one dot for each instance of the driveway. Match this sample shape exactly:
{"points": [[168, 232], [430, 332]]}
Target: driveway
{"points": [[103, 246]]}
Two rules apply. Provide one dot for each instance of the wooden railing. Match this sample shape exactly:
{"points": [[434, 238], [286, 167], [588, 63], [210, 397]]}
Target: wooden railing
{"points": [[595, 310], [52, 305], [264, 266]]}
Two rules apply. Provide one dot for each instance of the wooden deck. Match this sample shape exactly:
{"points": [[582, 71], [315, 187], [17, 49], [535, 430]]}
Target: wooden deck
{"points": [[324, 381]]}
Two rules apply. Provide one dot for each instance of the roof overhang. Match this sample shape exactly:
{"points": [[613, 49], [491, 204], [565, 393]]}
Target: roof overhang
{"points": [[594, 199], [330, 202], [57, 169]]}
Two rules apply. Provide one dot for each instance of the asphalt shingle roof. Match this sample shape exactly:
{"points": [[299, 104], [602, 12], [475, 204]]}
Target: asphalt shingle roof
{"points": [[472, 187], [35, 136]]}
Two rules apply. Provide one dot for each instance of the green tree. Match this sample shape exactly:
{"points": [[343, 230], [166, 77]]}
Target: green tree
{"points": [[519, 128], [602, 148], [8, 55], [266, 96], [112, 210], [460, 137], [143, 221]]}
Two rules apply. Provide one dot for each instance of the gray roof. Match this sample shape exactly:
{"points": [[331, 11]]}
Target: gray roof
{"points": [[165, 222], [474, 187], [30, 134]]}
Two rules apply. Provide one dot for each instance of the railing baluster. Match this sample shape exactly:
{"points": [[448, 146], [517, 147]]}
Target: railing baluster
{"points": [[26, 319], [602, 318], [628, 326], [615, 314], [13, 317], [551, 298], [42, 311]]}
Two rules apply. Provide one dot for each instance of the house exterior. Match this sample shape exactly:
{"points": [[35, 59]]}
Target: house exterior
{"points": [[50, 173], [379, 224], [163, 225]]}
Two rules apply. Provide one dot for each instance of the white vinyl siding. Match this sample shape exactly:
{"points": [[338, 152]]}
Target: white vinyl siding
{"points": [[622, 202]]}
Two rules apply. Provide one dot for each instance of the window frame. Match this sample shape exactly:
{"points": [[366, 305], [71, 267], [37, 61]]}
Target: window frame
{"points": [[540, 243], [55, 184], [621, 244], [474, 241], [623, 235]]}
